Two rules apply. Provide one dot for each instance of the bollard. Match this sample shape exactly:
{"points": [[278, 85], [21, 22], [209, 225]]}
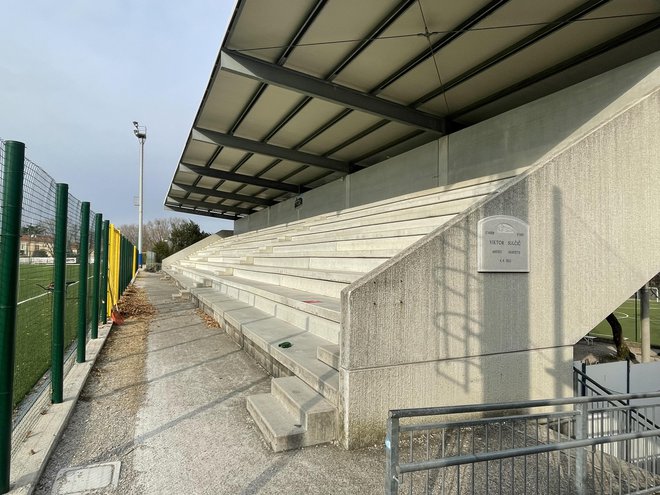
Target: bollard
{"points": [[59, 294], [10, 237], [82, 284], [96, 282]]}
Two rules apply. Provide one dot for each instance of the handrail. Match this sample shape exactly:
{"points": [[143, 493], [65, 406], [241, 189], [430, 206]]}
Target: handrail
{"points": [[643, 421], [503, 406]]}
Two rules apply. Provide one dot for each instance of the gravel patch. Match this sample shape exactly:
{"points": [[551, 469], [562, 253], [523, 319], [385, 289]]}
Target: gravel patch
{"points": [[102, 426]]}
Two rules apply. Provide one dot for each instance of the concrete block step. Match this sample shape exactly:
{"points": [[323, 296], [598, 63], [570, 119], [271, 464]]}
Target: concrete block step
{"points": [[266, 332], [372, 231], [450, 192], [397, 242], [300, 280], [183, 281], [323, 261], [310, 409], [279, 428], [328, 354], [215, 268], [300, 358], [315, 304], [314, 312], [387, 217]]}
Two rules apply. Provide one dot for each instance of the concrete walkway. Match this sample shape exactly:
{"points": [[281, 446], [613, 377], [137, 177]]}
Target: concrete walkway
{"points": [[193, 434]]}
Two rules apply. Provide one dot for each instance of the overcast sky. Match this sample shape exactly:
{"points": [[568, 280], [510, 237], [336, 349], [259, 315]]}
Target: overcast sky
{"points": [[75, 74]]}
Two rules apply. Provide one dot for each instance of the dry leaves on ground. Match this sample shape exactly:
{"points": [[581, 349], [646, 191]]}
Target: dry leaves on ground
{"points": [[210, 322], [134, 302]]}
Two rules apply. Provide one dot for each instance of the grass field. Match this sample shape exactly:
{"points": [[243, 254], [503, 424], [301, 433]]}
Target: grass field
{"points": [[34, 323], [628, 316]]}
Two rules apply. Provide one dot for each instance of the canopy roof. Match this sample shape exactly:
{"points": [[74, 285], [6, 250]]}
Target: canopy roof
{"points": [[306, 91]]}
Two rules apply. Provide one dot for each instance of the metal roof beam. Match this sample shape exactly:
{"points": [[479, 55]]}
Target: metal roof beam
{"points": [[261, 148], [212, 206], [234, 62], [225, 195], [245, 179], [202, 213], [562, 66], [580, 11]]}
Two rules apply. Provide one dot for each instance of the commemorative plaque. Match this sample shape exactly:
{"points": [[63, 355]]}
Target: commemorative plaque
{"points": [[503, 244]]}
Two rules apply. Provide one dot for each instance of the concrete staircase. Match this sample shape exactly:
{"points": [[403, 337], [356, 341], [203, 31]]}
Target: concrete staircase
{"points": [[276, 291]]}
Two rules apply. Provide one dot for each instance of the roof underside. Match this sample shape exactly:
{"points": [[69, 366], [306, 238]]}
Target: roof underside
{"points": [[306, 91]]}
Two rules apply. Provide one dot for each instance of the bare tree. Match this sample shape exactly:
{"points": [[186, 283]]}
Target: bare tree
{"points": [[153, 231], [622, 349]]}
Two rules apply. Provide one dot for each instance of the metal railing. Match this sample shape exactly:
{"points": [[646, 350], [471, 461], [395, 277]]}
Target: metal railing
{"points": [[582, 445]]}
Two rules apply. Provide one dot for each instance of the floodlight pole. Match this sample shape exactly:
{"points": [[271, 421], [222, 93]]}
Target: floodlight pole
{"points": [[141, 133]]}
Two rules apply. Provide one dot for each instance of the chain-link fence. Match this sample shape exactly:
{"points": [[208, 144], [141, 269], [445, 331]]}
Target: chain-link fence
{"points": [[36, 277], [56, 271], [36, 274]]}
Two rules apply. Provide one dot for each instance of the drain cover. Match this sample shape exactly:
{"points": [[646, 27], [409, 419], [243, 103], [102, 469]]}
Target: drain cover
{"points": [[83, 479]]}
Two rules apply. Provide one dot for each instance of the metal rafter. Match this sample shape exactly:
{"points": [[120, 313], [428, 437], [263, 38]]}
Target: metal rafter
{"points": [[194, 211], [562, 66], [237, 63], [261, 148], [537, 35], [309, 18], [382, 25], [211, 206], [246, 179], [426, 54], [224, 195]]}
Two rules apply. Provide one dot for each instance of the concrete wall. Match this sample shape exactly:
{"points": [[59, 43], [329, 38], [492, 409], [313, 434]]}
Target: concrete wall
{"points": [[427, 329], [207, 241]]}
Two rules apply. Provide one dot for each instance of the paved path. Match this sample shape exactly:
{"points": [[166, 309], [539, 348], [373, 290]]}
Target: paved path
{"points": [[192, 432]]}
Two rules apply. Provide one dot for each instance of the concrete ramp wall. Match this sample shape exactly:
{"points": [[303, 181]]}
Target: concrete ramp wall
{"points": [[427, 329]]}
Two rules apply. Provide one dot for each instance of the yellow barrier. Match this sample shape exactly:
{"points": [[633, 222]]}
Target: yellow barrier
{"points": [[113, 268]]}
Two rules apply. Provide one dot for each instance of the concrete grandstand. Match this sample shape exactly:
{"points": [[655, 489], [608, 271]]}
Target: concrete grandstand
{"points": [[358, 147]]}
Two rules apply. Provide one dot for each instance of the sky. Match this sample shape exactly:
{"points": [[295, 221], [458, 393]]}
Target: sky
{"points": [[74, 75]]}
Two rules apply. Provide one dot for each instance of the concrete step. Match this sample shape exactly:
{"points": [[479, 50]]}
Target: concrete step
{"points": [[279, 428], [316, 313], [300, 358], [343, 261], [393, 229], [466, 189], [313, 303], [182, 281], [328, 354], [261, 334], [317, 281], [387, 217], [397, 242]]}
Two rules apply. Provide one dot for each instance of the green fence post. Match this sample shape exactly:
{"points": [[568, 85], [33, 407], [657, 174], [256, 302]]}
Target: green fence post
{"points": [[12, 200], [104, 272], [59, 294], [82, 284], [122, 265], [98, 219]]}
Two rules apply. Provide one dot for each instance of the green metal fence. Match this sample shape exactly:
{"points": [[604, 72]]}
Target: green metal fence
{"points": [[53, 270]]}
